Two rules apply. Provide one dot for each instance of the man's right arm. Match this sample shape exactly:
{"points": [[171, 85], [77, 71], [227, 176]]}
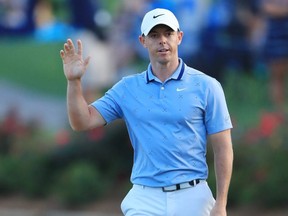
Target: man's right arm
{"points": [[81, 115]]}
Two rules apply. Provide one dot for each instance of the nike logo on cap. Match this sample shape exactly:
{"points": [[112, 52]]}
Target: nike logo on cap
{"points": [[155, 16]]}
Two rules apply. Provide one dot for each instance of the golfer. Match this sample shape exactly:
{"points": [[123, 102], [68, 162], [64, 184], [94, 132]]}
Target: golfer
{"points": [[171, 112]]}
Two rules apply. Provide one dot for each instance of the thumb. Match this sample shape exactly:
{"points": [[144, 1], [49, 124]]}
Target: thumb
{"points": [[86, 61]]}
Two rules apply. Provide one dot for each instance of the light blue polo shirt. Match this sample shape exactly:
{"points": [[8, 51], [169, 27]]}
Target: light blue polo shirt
{"points": [[167, 122]]}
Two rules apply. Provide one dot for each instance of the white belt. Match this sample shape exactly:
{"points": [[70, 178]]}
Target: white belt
{"points": [[181, 186]]}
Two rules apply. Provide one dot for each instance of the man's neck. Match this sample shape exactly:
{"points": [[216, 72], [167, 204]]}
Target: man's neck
{"points": [[164, 70]]}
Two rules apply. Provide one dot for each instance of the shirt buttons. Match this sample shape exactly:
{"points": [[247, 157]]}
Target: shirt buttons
{"points": [[162, 88]]}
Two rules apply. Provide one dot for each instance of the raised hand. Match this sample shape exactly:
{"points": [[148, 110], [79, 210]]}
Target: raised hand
{"points": [[73, 64]]}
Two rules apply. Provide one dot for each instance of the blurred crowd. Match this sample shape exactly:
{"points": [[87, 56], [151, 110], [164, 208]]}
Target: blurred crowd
{"points": [[220, 36]]}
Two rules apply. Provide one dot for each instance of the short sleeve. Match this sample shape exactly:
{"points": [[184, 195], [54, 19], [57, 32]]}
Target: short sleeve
{"points": [[109, 105], [217, 116]]}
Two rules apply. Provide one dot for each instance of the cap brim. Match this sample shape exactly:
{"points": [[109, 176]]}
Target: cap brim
{"points": [[148, 29]]}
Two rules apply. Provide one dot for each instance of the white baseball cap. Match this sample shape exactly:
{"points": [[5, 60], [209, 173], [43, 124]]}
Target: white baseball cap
{"points": [[156, 17]]}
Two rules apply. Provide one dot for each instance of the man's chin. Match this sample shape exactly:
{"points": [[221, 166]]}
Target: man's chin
{"points": [[163, 59]]}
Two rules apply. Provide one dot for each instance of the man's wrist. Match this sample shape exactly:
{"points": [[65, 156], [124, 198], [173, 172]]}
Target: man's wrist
{"points": [[221, 202], [74, 81]]}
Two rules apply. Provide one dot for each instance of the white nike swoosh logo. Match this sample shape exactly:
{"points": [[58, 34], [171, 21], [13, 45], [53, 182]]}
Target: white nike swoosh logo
{"points": [[180, 89]]}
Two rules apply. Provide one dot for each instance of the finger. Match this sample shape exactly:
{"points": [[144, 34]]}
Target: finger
{"points": [[86, 61], [66, 47], [62, 54], [70, 45], [80, 48]]}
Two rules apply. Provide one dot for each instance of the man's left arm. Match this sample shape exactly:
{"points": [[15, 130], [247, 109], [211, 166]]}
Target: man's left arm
{"points": [[223, 162]]}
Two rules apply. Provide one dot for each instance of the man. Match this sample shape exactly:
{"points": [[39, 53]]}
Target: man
{"points": [[171, 111]]}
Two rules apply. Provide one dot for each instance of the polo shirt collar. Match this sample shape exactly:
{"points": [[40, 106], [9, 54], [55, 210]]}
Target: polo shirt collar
{"points": [[177, 75]]}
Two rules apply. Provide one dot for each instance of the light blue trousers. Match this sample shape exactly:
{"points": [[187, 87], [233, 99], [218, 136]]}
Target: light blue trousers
{"points": [[147, 201]]}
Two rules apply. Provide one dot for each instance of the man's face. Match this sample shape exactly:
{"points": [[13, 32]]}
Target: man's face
{"points": [[162, 43]]}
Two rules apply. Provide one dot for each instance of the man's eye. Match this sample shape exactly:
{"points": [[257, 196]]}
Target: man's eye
{"points": [[169, 33]]}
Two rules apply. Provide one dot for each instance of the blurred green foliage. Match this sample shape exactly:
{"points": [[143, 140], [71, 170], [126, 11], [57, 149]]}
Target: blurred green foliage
{"points": [[9, 170], [247, 96], [74, 174], [259, 176], [34, 176], [79, 183]]}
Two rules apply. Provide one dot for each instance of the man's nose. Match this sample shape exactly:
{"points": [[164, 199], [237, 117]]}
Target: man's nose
{"points": [[162, 39]]}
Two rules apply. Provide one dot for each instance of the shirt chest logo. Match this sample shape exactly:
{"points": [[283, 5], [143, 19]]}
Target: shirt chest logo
{"points": [[180, 89]]}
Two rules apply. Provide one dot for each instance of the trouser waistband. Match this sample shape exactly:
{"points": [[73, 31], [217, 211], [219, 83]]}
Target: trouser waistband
{"points": [[175, 187], [181, 185]]}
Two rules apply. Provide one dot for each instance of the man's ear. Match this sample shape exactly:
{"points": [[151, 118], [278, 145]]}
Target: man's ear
{"points": [[142, 41], [180, 37]]}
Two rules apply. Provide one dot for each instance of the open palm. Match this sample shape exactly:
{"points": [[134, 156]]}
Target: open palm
{"points": [[73, 64]]}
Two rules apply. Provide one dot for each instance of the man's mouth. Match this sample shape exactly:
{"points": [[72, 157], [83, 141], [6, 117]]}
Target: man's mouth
{"points": [[163, 50]]}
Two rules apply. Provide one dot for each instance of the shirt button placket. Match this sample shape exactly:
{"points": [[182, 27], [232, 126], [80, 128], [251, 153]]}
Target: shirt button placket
{"points": [[162, 92]]}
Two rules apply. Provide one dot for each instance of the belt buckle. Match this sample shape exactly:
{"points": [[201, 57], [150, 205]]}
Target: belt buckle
{"points": [[171, 188], [194, 182], [178, 186]]}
